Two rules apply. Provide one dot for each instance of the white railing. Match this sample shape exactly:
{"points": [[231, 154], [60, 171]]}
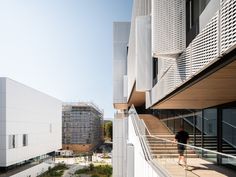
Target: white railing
{"points": [[140, 130]]}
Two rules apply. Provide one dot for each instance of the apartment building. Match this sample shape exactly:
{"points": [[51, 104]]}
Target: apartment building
{"points": [[30, 126], [81, 126], [174, 64]]}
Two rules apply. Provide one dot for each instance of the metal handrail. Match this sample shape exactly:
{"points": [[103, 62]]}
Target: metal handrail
{"points": [[144, 145], [194, 147], [229, 124], [187, 145]]}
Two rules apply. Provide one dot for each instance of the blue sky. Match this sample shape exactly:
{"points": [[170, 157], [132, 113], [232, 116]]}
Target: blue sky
{"points": [[61, 47]]}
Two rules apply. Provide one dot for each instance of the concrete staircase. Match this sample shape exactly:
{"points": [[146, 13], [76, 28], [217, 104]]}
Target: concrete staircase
{"points": [[158, 147], [154, 125], [210, 142], [163, 149]]}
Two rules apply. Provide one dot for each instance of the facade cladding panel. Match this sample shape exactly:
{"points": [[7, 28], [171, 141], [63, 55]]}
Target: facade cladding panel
{"points": [[203, 50], [120, 50], [140, 8], [143, 53], [168, 23], [81, 125], [30, 123]]}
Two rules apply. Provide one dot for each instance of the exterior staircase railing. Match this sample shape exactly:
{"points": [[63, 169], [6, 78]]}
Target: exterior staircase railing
{"points": [[167, 155]]}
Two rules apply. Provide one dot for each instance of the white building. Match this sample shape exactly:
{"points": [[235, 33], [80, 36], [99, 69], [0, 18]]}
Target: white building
{"points": [[30, 123], [175, 60]]}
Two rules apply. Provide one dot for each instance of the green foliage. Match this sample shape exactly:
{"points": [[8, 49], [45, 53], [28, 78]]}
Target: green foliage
{"points": [[101, 170], [56, 171], [108, 129], [91, 167], [104, 170], [82, 171], [94, 175]]}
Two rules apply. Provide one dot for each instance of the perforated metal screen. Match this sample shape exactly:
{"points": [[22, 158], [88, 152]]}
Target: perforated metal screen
{"points": [[168, 26]]}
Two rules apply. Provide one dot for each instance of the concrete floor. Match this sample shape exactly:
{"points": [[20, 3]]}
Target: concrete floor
{"points": [[196, 168]]}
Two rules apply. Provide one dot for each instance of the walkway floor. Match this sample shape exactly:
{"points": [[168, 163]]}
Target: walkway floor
{"points": [[196, 168]]}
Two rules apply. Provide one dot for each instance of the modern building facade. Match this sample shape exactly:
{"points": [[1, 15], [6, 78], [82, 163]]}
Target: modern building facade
{"points": [[30, 124], [175, 60], [81, 126]]}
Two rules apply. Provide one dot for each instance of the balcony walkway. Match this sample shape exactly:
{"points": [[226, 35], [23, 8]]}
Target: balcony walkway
{"points": [[197, 167]]}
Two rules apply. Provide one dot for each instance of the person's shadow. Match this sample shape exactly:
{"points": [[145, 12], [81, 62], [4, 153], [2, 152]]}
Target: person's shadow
{"points": [[213, 167]]}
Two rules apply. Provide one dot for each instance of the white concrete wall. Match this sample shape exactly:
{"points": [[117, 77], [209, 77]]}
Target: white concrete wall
{"points": [[2, 122], [119, 156], [141, 166], [30, 112], [130, 160]]}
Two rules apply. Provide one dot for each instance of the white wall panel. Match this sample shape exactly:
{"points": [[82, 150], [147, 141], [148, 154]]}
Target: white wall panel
{"points": [[168, 27], [31, 112], [228, 25], [140, 8], [125, 87], [212, 7], [130, 160], [205, 46], [120, 45], [119, 147], [2, 122], [143, 53]]}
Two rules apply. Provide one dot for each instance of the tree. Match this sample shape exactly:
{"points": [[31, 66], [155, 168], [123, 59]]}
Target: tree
{"points": [[108, 130]]}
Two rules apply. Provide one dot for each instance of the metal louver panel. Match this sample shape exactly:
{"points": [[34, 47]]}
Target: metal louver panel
{"points": [[140, 8], [168, 25], [228, 25], [205, 45]]}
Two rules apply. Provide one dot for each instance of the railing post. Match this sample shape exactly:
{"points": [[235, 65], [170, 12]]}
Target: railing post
{"points": [[219, 134], [194, 129], [202, 132]]}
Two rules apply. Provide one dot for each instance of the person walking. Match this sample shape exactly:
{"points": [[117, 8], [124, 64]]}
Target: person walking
{"points": [[181, 137]]}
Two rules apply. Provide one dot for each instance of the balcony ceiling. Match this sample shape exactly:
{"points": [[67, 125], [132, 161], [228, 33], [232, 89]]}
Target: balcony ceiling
{"points": [[120, 106], [136, 98], [213, 89]]}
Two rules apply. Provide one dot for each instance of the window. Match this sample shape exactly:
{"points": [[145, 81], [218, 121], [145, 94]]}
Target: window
{"points": [[155, 71], [25, 140], [12, 141], [193, 12]]}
